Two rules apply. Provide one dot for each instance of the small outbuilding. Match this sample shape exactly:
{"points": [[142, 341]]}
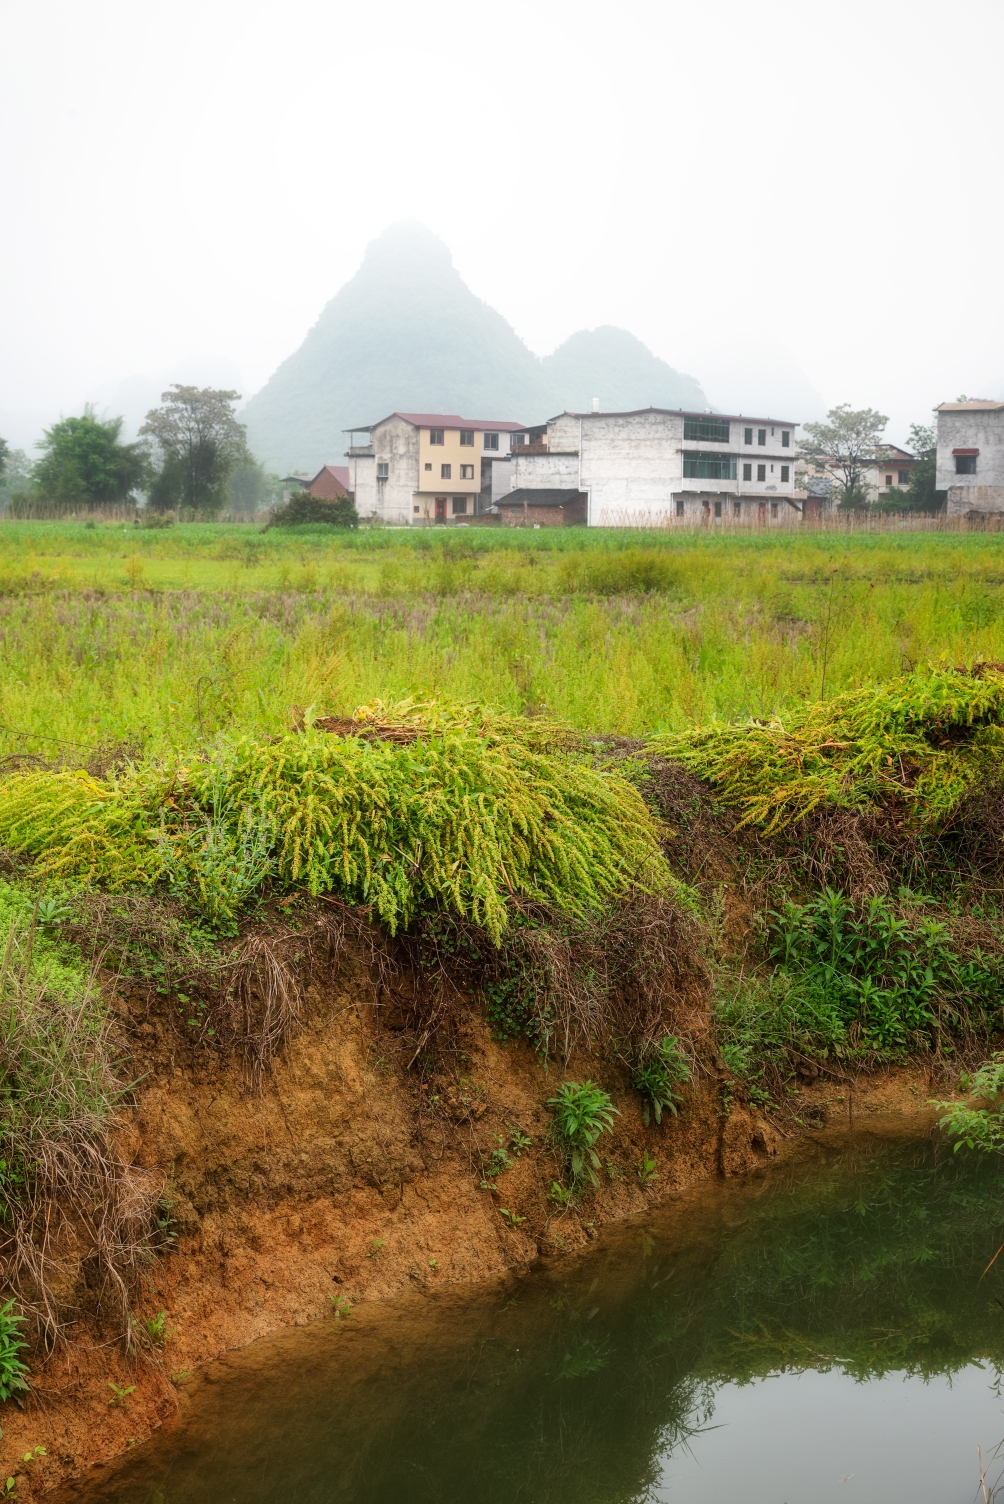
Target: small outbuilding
{"points": [[531, 508]]}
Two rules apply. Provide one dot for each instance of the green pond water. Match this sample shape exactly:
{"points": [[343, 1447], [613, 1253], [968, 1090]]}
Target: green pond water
{"points": [[817, 1333]]}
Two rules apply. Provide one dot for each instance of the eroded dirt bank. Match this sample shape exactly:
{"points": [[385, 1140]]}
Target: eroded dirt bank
{"points": [[345, 1176]]}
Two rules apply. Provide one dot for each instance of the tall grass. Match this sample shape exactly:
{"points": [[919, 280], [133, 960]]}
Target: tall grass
{"points": [[66, 1196], [611, 634]]}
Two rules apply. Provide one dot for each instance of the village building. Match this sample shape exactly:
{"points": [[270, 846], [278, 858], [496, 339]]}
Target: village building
{"points": [[659, 467], [421, 468], [971, 456]]}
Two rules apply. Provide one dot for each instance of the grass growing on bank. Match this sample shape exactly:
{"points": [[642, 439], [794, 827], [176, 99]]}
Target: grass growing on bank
{"points": [[615, 634]]}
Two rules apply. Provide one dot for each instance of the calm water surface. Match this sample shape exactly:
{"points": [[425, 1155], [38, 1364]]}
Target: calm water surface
{"points": [[820, 1333]]}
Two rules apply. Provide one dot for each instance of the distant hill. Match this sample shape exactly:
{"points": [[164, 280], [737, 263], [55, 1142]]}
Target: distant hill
{"points": [[612, 365], [407, 333]]}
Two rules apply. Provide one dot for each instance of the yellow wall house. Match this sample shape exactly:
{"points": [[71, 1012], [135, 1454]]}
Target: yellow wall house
{"points": [[424, 468]]}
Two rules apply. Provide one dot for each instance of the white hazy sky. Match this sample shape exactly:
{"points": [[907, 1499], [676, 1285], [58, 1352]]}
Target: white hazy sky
{"points": [[782, 198]]}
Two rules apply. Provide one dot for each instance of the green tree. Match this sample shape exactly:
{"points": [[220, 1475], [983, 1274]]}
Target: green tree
{"points": [[200, 442], [845, 446], [303, 509], [83, 460], [250, 487], [4, 454], [921, 494]]}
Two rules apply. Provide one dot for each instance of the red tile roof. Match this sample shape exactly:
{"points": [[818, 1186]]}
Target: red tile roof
{"points": [[444, 420]]}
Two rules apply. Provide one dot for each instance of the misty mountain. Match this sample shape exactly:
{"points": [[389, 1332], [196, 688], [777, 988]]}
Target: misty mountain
{"points": [[613, 365], [406, 333]]}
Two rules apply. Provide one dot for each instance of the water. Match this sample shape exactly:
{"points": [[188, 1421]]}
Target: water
{"points": [[820, 1333]]}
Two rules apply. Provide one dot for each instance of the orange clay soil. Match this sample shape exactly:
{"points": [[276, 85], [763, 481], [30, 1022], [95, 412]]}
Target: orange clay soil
{"points": [[347, 1177]]}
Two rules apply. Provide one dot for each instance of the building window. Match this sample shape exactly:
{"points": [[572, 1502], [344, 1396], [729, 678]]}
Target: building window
{"points": [[773, 509], [761, 435], [904, 477], [761, 472], [888, 480], [785, 471], [435, 435], [490, 441], [747, 435], [718, 509], [445, 472], [416, 508], [747, 472], [383, 469], [965, 464], [679, 506], [459, 505], [785, 438], [737, 507], [467, 472], [706, 430], [467, 438], [428, 465], [709, 466]]}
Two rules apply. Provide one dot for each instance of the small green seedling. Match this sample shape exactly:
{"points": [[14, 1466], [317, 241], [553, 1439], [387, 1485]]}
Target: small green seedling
{"points": [[177, 1379], [376, 1247], [9, 1489], [433, 1263], [340, 1305], [562, 1196], [34, 1454], [614, 1172], [119, 1396], [646, 1170], [156, 1329], [519, 1141], [52, 911], [510, 1217]]}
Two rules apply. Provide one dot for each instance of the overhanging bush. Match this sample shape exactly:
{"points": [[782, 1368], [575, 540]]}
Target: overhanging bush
{"points": [[462, 811], [338, 511], [920, 742]]}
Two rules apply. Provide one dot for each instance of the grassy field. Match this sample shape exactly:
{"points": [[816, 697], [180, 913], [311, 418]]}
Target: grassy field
{"points": [[164, 638]]}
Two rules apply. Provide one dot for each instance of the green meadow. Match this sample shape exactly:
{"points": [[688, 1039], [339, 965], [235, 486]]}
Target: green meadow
{"points": [[163, 638]]}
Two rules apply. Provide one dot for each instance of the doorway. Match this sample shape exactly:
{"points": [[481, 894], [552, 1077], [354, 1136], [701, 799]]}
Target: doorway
{"points": [[440, 508]]}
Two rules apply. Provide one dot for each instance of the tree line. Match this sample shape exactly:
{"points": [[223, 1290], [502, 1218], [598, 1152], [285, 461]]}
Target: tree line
{"points": [[191, 458]]}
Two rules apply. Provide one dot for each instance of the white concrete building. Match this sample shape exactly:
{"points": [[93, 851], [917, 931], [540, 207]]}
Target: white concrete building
{"points": [[428, 467], [971, 455], [658, 467]]}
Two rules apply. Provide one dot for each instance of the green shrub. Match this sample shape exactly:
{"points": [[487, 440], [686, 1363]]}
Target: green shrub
{"points": [[13, 1373], [658, 1075], [461, 812], [978, 1127], [581, 1113], [921, 742], [885, 980], [302, 508]]}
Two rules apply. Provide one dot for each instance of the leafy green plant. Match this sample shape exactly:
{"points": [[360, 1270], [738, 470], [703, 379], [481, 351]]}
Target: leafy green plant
{"points": [[34, 1454], [561, 1195], [978, 1127], [13, 1372], [920, 741], [511, 1217], [582, 1111], [457, 809], [340, 1305], [658, 1076], [646, 1170], [156, 1330], [119, 1395]]}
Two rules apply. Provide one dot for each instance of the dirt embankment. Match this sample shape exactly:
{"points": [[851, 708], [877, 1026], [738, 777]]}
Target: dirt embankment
{"points": [[346, 1176]]}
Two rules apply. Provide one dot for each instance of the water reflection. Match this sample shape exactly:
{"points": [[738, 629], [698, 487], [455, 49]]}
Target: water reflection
{"points": [[850, 1284]]}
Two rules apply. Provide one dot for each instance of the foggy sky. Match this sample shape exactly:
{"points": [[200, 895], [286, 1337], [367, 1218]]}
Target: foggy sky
{"points": [[798, 203]]}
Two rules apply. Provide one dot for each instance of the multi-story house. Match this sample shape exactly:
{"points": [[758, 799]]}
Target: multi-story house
{"points": [[657, 466], [427, 467], [887, 472], [971, 455]]}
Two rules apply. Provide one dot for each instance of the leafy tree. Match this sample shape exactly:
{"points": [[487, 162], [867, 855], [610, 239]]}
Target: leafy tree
{"points": [[200, 443], [4, 452], [251, 488], [845, 446], [83, 460], [339, 511], [921, 494]]}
